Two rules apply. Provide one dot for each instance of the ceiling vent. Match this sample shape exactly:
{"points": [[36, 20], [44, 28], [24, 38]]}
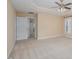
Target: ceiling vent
{"points": [[30, 12]]}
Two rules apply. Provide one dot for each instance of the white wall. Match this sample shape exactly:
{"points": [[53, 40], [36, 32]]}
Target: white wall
{"points": [[11, 27]]}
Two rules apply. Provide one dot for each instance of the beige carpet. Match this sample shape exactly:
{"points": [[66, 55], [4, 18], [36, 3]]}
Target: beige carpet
{"points": [[56, 48]]}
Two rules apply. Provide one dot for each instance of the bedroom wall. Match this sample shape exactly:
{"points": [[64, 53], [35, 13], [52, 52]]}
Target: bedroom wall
{"points": [[11, 29], [50, 26]]}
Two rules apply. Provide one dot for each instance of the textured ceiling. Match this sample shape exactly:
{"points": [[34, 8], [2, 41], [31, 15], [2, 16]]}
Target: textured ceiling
{"points": [[44, 6]]}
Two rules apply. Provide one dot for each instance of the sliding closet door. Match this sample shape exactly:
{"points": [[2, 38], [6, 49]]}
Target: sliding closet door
{"points": [[23, 26]]}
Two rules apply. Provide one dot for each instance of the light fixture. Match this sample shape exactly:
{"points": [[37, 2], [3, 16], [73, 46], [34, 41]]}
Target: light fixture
{"points": [[61, 10]]}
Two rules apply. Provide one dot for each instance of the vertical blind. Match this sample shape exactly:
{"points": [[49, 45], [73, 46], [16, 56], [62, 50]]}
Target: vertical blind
{"points": [[68, 25], [23, 27]]}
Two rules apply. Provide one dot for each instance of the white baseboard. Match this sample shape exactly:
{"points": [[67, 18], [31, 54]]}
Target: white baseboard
{"points": [[53, 36], [68, 35], [11, 50]]}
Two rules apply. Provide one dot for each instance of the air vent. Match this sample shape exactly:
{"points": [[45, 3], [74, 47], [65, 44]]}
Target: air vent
{"points": [[30, 12]]}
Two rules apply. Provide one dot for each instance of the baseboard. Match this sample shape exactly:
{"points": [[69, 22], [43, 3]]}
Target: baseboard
{"points": [[53, 36], [68, 35], [11, 50]]}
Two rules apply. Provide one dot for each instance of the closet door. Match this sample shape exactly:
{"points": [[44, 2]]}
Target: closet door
{"points": [[23, 26]]}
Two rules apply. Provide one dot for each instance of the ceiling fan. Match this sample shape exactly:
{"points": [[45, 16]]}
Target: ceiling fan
{"points": [[61, 5]]}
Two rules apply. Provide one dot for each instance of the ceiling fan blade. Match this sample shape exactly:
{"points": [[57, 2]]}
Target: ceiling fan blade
{"points": [[68, 4], [58, 3], [67, 7]]}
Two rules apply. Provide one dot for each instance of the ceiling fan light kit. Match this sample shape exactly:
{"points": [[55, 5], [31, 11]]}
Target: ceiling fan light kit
{"points": [[62, 10]]}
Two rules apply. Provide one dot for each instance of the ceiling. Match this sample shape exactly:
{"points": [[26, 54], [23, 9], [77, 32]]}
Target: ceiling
{"points": [[39, 6]]}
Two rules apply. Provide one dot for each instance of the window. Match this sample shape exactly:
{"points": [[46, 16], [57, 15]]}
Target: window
{"points": [[68, 25]]}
